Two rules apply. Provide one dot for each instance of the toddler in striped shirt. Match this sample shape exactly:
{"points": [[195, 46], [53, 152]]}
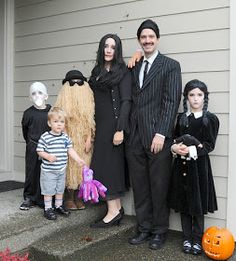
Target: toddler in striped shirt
{"points": [[53, 147]]}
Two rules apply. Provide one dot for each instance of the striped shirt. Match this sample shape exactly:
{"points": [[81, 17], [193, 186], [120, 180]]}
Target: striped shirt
{"points": [[57, 145]]}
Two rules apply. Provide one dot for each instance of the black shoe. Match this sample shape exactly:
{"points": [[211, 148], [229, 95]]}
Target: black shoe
{"points": [[196, 249], [122, 211], [62, 211], [101, 224], [50, 214], [187, 247], [157, 241], [140, 238], [27, 204]]}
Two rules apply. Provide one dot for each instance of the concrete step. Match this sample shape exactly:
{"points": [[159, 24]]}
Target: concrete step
{"points": [[75, 242], [20, 229]]}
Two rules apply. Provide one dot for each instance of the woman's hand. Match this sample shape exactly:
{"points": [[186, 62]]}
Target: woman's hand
{"points": [[135, 58], [118, 138]]}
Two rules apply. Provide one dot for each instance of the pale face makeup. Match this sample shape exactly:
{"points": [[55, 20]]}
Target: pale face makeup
{"points": [[196, 100], [109, 50]]}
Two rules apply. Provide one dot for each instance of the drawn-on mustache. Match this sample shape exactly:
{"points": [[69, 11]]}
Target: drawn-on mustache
{"points": [[147, 44]]}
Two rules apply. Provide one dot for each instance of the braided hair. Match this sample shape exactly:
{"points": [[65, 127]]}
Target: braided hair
{"points": [[188, 87]]}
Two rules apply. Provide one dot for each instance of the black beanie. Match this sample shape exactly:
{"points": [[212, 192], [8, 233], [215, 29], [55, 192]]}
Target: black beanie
{"points": [[73, 75], [148, 24]]}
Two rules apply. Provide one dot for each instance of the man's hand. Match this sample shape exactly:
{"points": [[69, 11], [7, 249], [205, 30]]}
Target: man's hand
{"points": [[157, 144]]}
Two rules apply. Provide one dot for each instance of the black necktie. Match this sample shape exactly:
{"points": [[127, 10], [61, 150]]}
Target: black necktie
{"points": [[145, 70]]}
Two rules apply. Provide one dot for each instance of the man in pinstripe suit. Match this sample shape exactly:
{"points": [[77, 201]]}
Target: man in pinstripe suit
{"points": [[156, 96]]}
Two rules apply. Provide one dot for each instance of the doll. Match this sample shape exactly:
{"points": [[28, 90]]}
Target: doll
{"points": [[90, 189]]}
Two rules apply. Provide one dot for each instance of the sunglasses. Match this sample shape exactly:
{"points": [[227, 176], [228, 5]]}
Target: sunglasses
{"points": [[73, 82]]}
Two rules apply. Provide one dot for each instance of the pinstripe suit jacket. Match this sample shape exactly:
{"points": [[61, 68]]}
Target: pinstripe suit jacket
{"points": [[155, 105]]}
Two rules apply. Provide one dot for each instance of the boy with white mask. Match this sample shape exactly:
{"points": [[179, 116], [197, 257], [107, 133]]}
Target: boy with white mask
{"points": [[34, 124]]}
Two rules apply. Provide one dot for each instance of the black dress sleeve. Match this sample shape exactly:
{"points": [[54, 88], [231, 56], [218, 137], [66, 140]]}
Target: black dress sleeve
{"points": [[210, 133], [125, 102], [24, 125]]}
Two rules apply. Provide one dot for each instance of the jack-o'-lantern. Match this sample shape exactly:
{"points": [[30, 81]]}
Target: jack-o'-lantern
{"points": [[218, 243]]}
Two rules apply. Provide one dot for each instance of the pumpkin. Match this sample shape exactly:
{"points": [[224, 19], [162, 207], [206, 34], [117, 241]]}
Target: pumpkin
{"points": [[218, 243]]}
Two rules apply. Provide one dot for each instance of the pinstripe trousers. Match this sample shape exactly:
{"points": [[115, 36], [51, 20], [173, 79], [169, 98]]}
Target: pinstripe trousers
{"points": [[150, 177]]}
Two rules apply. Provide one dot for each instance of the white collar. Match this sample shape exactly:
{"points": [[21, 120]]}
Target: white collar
{"points": [[197, 114], [151, 58]]}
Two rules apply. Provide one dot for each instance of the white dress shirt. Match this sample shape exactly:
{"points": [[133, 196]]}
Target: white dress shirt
{"points": [[150, 62]]}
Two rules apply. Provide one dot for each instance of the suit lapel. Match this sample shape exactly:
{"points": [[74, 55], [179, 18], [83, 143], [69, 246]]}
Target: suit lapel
{"points": [[156, 66]]}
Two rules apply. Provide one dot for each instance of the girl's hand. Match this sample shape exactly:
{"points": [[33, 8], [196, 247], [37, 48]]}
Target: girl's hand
{"points": [[180, 149], [118, 138]]}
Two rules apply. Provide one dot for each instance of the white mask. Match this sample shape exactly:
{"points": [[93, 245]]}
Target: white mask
{"points": [[38, 94]]}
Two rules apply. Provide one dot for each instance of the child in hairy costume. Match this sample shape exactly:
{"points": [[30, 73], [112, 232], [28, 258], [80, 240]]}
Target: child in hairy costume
{"points": [[76, 99]]}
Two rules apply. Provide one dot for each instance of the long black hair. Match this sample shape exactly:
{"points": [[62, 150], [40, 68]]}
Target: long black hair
{"points": [[193, 84], [118, 66]]}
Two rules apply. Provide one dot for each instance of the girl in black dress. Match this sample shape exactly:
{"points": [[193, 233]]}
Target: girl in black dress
{"points": [[111, 84], [192, 191]]}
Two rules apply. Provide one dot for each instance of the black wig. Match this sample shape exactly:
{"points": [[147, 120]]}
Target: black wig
{"points": [[118, 66], [193, 84]]}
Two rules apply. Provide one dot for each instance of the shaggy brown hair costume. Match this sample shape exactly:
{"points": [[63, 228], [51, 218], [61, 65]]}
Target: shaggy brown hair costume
{"points": [[78, 103]]}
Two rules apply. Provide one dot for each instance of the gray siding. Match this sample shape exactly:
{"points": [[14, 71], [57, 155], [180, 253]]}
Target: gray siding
{"points": [[52, 37]]}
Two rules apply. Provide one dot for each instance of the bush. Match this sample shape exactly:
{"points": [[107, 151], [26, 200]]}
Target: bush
{"points": [[6, 256]]}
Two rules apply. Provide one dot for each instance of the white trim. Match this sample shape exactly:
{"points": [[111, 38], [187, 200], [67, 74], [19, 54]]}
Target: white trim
{"points": [[231, 210], [8, 84]]}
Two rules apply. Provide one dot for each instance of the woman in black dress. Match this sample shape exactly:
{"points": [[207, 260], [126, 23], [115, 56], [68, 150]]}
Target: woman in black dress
{"points": [[111, 84], [192, 191]]}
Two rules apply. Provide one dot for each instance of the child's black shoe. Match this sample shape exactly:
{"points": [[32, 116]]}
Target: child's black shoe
{"points": [[50, 214], [187, 247], [196, 249], [62, 211]]}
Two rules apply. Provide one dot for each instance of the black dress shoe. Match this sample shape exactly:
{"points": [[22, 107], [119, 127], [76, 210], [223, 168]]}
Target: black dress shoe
{"points": [[196, 249], [139, 238], [157, 241], [187, 246], [122, 211], [101, 224]]}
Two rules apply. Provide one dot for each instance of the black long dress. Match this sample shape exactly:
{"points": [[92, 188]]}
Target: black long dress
{"points": [[192, 188], [112, 106]]}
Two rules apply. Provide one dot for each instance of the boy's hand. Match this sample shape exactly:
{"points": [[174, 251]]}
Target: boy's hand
{"points": [[81, 163], [135, 58], [51, 158]]}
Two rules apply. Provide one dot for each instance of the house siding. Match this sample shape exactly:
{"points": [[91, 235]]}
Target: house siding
{"points": [[52, 37]]}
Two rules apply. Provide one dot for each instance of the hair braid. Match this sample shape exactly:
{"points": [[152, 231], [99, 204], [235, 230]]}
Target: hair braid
{"points": [[184, 118], [204, 110]]}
